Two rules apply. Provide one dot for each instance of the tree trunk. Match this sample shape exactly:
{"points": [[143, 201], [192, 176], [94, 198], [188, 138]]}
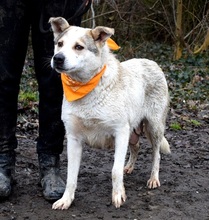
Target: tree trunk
{"points": [[178, 31]]}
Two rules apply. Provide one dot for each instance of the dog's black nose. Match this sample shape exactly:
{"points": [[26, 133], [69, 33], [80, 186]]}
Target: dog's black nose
{"points": [[59, 59]]}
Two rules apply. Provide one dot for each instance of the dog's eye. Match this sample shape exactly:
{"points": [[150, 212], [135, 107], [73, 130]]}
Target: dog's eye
{"points": [[60, 43], [78, 47]]}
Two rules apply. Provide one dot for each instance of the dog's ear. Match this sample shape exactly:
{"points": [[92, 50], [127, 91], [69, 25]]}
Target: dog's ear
{"points": [[101, 33], [58, 25]]}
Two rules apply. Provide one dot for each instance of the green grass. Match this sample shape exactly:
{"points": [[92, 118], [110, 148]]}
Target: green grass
{"points": [[175, 126], [195, 122]]}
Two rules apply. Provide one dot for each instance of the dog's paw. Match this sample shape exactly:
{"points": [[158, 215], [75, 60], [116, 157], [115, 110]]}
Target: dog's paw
{"points": [[62, 204], [153, 183], [118, 197], [128, 168]]}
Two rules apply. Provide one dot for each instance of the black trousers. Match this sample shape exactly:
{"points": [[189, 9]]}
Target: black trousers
{"points": [[17, 19]]}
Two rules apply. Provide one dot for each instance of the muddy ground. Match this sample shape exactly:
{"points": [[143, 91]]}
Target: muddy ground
{"points": [[184, 175]]}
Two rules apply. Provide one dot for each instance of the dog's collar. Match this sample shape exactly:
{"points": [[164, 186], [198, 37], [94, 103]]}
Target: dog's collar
{"points": [[74, 90]]}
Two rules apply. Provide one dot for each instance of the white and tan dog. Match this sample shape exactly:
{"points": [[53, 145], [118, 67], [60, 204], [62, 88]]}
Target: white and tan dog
{"points": [[127, 95]]}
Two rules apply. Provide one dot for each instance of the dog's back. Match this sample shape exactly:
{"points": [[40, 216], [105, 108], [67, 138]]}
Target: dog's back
{"points": [[147, 84]]}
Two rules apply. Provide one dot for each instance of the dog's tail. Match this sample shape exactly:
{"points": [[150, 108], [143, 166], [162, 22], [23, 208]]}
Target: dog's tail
{"points": [[165, 147]]}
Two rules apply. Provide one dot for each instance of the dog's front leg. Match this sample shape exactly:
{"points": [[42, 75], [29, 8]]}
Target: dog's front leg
{"points": [[74, 151], [121, 146]]}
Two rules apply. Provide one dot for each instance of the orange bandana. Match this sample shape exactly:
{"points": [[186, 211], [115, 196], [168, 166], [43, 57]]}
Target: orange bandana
{"points": [[74, 90]]}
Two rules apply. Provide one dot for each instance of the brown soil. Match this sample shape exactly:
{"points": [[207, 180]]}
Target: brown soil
{"points": [[184, 175]]}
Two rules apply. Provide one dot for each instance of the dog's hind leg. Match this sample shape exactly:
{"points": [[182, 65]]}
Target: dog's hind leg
{"points": [[134, 150], [155, 133]]}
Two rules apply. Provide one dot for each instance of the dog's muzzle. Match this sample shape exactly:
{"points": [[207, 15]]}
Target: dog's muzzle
{"points": [[58, 61]]}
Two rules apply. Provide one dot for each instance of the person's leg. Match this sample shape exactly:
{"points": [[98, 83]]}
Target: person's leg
{"points": [[14, 29], [51, 128]]}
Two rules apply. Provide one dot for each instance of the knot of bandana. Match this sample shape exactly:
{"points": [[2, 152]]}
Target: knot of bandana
{"points": [[74, 90]]}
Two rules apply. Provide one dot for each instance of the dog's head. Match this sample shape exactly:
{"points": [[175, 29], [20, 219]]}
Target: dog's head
{"points": [[79, 52]]}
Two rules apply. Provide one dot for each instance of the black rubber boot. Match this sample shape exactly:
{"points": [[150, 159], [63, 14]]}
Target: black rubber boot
{"points": [[7, 167], [50, 179]]}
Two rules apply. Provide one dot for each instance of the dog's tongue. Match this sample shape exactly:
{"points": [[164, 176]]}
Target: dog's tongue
{"points": [[112, 45]]}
